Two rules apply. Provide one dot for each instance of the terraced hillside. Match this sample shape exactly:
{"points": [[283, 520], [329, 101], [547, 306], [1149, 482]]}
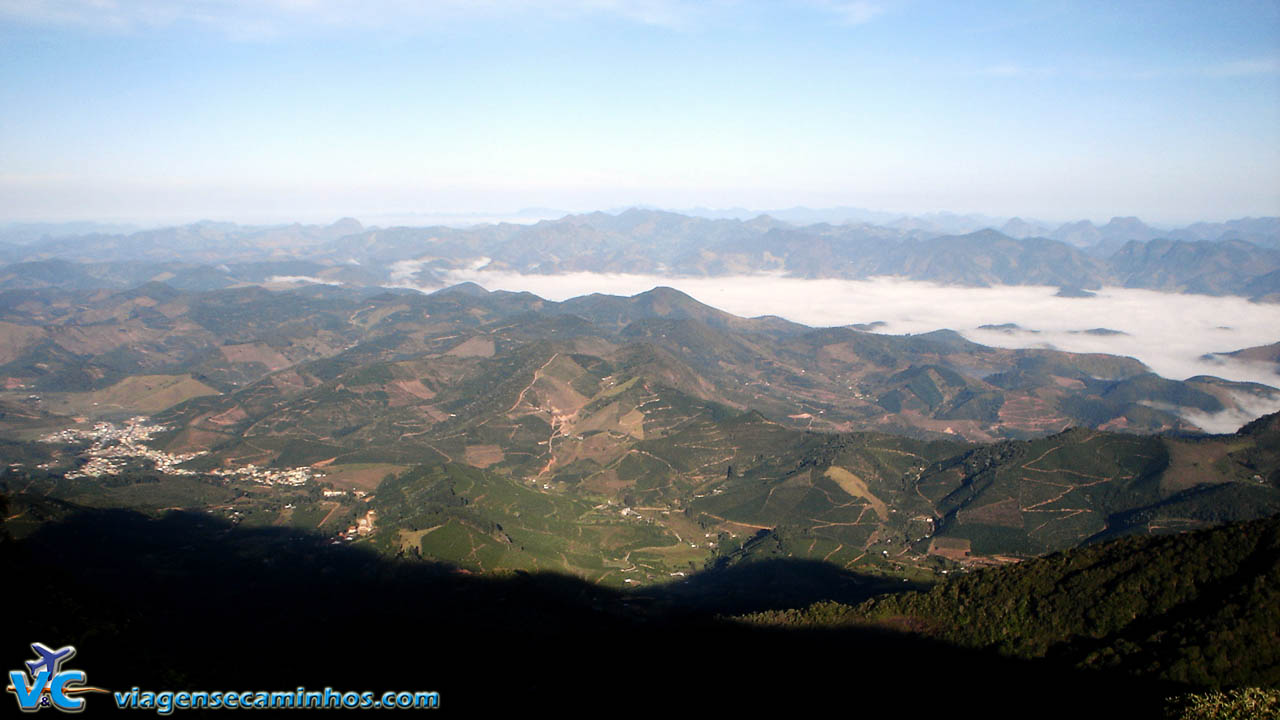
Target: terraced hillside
{"points": [[627, 440], [721, 491], [320, 345]]}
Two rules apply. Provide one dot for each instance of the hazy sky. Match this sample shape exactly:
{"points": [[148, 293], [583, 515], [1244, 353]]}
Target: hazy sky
{"points": [[169, 110]]}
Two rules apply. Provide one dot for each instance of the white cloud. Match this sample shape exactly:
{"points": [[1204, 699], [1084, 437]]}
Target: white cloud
{"points": [[301, 279], [1245, 68], [1250, 408], [1170, 333], [258, 19], [667, 13], [855, 12]]}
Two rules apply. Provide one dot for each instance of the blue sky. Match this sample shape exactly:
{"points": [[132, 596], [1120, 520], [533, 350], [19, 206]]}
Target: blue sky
{"points": [[314, 109]]}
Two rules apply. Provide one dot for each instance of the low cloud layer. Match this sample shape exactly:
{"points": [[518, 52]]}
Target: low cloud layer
{"points": [[1230, 420], [299, 279], [1170, 333]]}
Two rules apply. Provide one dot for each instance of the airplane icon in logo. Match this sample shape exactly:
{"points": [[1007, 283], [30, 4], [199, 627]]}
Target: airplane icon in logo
{"points": [[50, 685], [50, 659]]}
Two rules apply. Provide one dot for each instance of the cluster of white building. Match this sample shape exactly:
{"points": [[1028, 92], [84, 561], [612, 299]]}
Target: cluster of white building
{"points": [[114, 446], [269, 476]]}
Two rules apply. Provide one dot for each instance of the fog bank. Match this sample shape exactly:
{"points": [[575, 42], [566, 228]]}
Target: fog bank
{"points": [[1168, 332]]}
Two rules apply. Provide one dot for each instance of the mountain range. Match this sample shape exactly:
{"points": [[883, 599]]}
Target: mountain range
{"points": [[1240, 257], [183, 403], [619, 439], [493, 474]]}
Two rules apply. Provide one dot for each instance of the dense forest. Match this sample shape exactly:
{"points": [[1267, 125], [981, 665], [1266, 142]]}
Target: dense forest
{"points": [[1200, 609]]}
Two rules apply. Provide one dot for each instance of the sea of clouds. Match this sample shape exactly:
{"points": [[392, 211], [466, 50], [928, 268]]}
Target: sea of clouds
{"points": [[1168, 332], [1177, 335]]}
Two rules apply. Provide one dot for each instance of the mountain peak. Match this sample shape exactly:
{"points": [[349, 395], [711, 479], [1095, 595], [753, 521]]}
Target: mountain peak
{"points": [[1019, 228], [986, 235], [663, 301], [668, 294], [465, 289], [751, 416]]}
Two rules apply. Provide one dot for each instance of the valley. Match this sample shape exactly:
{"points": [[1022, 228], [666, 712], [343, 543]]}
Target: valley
{"points": [[625, 441]]}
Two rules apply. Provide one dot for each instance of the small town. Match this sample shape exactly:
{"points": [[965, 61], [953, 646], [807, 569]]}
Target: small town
{"points": [[294, 477], [112, 447]]}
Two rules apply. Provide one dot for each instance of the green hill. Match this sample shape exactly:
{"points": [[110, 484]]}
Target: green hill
{"points": [[1200, 609]]}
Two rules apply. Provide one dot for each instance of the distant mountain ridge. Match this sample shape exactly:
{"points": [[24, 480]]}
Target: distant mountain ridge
{"points": [[1240, 257]]}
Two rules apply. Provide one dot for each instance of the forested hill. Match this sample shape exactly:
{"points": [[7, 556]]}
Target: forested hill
{"points": [[1201, 609]]}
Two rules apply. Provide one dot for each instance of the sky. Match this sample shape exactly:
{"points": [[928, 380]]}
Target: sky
{"points": [[310, 110]]}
